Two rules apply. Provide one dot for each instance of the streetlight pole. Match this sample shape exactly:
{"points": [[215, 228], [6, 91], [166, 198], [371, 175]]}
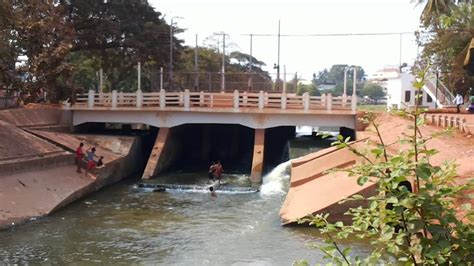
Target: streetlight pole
{"points": [[278, 62], [250, 64], [345, 81], [196, 69], [171, 54], [170, 81], [223, 64]]}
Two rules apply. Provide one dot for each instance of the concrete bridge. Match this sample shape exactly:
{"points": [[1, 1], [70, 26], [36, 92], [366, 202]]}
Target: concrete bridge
{"points": [[258, 111]]}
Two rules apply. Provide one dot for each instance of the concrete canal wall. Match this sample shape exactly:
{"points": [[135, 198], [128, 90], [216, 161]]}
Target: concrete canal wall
{"points": [[37, 171]]}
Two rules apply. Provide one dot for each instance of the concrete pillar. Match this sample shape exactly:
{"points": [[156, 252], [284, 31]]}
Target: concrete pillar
{"points": [[114, 99], [152, 164], [323, 99], [354, 102], [162, 98], [139, 98], [236, 99], [181, 99], [283, 98], [344, 100], [244, 98], [187, 99], [329, 102], [261, 99], [257, 160], [90, 98], [201, 99], [306, 101]]}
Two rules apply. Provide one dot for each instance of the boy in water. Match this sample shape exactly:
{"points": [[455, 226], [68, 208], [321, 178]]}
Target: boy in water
{"points": [[218, 170], [213, 193], [211, 171]]}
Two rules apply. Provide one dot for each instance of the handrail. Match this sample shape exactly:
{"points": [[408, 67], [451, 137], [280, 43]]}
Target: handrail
{"points": [[187, 100]]}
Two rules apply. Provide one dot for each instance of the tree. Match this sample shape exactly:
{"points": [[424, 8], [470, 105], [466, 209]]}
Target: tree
{"points": [[373, 90], [336, 75], [311, 89], [8, 49], [120, 34], [209, 66], [446, 33]]}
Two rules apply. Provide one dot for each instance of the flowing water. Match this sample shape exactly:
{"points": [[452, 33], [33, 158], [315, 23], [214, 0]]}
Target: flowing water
{"points": [[123, 224]]}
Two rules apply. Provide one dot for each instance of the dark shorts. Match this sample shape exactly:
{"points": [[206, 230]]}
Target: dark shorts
{"points": [[210, 175]]}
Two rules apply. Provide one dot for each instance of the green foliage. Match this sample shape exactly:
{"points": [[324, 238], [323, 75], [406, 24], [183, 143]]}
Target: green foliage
{"points": [[412, 219], [336, 75], [373, 91], [311, 89], [448, 27]]}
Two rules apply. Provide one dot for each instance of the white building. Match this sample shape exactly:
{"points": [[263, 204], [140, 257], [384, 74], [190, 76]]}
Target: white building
{"points": [[401, 93]]}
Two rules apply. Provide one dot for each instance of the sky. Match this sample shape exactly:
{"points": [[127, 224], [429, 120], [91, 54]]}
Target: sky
{"points": [[304, 55]]}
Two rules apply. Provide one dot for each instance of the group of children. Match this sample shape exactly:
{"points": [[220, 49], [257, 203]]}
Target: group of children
{"points": [[89, 156]]}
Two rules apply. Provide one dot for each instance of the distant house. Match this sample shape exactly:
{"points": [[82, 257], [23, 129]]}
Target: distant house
{"points": [[401, 93], [326, 87]]}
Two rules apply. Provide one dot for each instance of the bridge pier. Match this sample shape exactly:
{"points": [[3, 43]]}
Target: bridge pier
{"points": [[257, 160], [152, 165]]}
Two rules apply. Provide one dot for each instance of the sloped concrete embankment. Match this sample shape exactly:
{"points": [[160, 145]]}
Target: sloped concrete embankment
{"points": [[123, 158], [316, 189], [37, 171]]}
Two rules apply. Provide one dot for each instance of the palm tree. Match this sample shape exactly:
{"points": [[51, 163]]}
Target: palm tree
{"points": [[435, 8]]}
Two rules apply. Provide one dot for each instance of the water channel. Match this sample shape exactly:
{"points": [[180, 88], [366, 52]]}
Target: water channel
{"points": [[123, 224]]}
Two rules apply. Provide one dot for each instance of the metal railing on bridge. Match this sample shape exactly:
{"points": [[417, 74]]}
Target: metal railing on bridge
{"points": [[188, 100]]}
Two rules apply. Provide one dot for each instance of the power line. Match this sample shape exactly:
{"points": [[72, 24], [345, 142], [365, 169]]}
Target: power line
{"points": [[329, 34]]}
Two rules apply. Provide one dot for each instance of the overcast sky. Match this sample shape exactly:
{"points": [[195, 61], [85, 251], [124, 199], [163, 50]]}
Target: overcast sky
{"points": [[305, 55]]}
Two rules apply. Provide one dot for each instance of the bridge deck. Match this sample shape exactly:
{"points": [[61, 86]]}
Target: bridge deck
{"points": [[237, 102]]}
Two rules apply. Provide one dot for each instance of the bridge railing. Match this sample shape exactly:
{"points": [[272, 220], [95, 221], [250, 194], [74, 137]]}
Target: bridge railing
{"points": [[186, 100]]}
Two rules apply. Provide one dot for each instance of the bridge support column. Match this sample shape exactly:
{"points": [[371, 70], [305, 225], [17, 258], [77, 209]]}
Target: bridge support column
{"points": [[152, 164], [257, 161]]}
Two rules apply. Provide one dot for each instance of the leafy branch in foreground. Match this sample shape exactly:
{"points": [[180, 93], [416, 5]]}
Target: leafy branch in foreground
{"points": [[414, 216]]}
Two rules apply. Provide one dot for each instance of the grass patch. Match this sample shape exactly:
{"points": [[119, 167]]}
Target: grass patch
{"points": [[372, 107]]}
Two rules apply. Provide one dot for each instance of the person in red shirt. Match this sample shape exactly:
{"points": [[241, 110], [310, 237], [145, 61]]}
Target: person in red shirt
{"points": [[218, 170], [79, 156]]}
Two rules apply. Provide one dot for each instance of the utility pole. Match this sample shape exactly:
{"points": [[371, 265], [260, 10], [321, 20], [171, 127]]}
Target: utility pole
{"points": [[345, 81], [278, 62], [250, 64], [170, 81], [355, 81], [196, 70], [139, 74], [171, 54], [400, 53], [223, 64]]}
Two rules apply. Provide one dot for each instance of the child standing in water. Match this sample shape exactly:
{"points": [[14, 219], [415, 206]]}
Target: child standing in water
{"points": [[213, 193]]}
